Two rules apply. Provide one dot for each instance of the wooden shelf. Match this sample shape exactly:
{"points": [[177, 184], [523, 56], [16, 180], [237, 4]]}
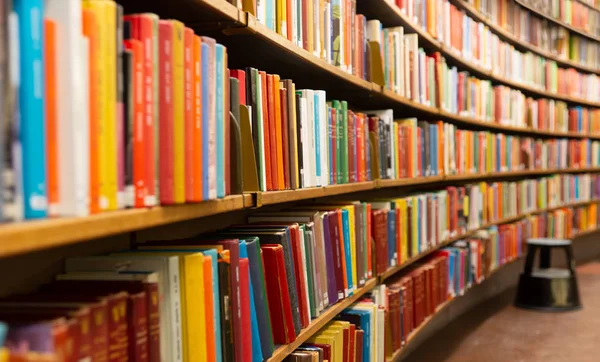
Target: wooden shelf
{"points": [[283, 351], [28, 236], [446, 304], [390, 15], [588, 5], [513, 39], [558, 22], [394, 270]]}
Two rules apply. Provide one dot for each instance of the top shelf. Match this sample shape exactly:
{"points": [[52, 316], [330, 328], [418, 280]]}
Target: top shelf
{"points": [[514, 40], [558, 22]]}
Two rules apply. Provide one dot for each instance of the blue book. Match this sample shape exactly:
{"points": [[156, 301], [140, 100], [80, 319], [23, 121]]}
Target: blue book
{"points": [[32, 133], [205, 120], [257, 355], [347, 251], [221, 117], [271, 14], [419, 236], [351, 314], [424, 166], [3, 331], [392, 253], [317, 135]]}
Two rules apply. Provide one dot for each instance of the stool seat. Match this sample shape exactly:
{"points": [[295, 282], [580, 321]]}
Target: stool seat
{"points": [[546, 288], [548, 242]]}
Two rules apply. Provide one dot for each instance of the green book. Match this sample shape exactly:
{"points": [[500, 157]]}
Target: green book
{"points": [[310, 267], [344, 142], [431, 73]]}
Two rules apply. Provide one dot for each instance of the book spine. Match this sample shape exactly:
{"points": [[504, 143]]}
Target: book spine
{"points": [[178, 141], [221, 112], [31, 104], [197, 169], [167, 191], [189, 111], [148, 36]]}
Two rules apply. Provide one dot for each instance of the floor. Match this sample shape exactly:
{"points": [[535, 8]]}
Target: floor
{"points": [[496, 331]]}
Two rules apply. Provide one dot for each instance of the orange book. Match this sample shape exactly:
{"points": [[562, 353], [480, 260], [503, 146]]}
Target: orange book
{"points": [[89, 30], [500, 206], [267, 133], [431, 17], [189, 115], [51, 116], [272, 130], [278, 133], [197, 138], [211, 353], [139, 176]]}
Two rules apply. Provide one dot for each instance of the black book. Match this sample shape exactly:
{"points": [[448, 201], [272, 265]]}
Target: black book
{"points": [[128, 118]]}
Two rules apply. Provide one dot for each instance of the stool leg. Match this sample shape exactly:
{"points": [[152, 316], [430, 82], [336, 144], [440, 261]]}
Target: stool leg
{"points": [[570, 259], [531, 250], [545, 257]]}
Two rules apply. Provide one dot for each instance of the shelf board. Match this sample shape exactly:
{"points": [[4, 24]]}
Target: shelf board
{"points": [[390, 15], [316, 324], [558, 22], [513, 39], [277, 197], [28, 236]]}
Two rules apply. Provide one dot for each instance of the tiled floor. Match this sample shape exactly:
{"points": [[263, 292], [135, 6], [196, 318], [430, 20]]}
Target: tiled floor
{"points": [[498, 332]]}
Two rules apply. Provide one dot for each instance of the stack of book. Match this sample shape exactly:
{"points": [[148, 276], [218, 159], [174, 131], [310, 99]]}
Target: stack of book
{"points": [[534, 29]]}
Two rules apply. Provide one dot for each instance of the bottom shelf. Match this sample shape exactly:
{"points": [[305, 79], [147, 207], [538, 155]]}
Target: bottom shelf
{"points": [[398, 354]]}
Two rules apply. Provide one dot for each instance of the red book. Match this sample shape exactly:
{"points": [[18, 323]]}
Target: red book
{"points": [[407, 306], [277, 294], [142, 29], [272, 130], [352, 343], [359, 148], [285, 136], [139, 163], [241, 76], [359, 344], [351, 147], [300, 277], [166, 166], [266, 133], [245, 306], [346, 344], [380, 229], [189, 116]]}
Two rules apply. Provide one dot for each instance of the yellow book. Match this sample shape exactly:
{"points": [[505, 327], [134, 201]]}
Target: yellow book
{"points": [[327, 340], [178, 109], [403, 230], [3, 354], [337, 332], [193, 313], [281, 23], [294, 135], [97, 7], [110, 72]]}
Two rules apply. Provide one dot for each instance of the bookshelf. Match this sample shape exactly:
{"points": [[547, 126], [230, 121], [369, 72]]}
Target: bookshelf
{"points": [[557, 21], [29, 236], [521, 44], [247, 42]]}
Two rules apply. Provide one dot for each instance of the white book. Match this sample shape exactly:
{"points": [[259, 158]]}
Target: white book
{"points": [[262, 174], [317, 29], [422, 77], [294, 20], [304, 170], [323, 136], [327, 32], [167, 269], [412, 45], [310, 163], [72, 107], [342, 33]]}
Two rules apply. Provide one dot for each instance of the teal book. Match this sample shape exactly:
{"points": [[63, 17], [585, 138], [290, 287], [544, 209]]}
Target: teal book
{"points": [[257, 355], [317, 136], [362, 319], [221, 118], [345, 142], [257, 276], [348, 251], [271, 14]]}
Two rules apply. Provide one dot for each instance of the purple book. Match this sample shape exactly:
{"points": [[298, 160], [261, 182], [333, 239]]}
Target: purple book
{"points": [[332, 291], [31, 337]]}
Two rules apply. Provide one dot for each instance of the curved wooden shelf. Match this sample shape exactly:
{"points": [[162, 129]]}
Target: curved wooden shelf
{"points": [[283, 351], [398, 354], [390, 15], [588, 5], [558, 22], [513, 39], [35, 235]]}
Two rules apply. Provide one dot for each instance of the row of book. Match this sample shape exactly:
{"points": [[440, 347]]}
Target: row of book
{"points": [[413, 148], [570, 12], [137, 105], [476, 44], [548, 114], [542, 33], [234, 294], [382, 322]]}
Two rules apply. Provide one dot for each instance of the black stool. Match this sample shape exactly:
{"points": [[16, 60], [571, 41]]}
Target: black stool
{"points": [[546, 288]]}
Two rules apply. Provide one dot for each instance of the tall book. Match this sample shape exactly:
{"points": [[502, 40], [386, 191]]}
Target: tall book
{"points": [[31, 104]]}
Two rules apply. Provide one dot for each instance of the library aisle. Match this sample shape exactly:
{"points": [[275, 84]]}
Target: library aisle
{"points": [[497, 331]]}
